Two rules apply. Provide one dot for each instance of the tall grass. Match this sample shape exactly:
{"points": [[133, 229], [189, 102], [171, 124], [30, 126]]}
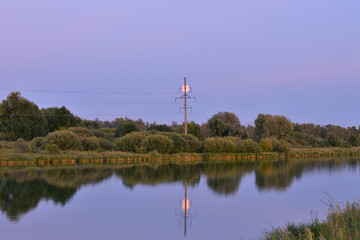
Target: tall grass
{"points": [[342, 223]]}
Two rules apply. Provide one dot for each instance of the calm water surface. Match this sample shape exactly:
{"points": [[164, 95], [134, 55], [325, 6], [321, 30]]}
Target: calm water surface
{"points": [[227, 200]]}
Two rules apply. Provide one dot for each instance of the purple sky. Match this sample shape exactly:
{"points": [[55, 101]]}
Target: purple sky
{"points": [[296, 58]]}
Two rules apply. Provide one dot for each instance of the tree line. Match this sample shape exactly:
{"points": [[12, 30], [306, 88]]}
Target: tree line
{"points": [[58, 129]]}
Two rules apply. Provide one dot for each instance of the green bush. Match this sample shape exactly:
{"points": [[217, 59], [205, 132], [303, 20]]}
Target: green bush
{"points": [[125, 128], [36, 144], [21, 145], [221, 145], [130, 142], [194, 145], [251, 146], [353, 140], [90, 143], [280, 145], [180, 144], [266, 145], [228, 145], [211, 145], [66, 140], [52, 148], [81, 131], [157, 142], [2, 136], [104, 133], [304, 139], [106, 144]]}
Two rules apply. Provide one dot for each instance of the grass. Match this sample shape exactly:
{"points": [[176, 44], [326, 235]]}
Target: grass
{"points": [[11, 153], [342, 223]]}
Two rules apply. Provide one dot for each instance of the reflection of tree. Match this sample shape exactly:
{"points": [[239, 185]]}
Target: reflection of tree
{"points": [[281, 174], [224, 178], [152, 175], [22, 190], [18, 198], [274, 175]]}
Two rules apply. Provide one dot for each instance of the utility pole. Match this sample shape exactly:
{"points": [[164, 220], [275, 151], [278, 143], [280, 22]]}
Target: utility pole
{"points": [[185, 105], [185, 89]]}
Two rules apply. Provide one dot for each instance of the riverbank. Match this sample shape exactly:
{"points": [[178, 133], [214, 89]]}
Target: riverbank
{"points": [[11, 158], [341, 223]]}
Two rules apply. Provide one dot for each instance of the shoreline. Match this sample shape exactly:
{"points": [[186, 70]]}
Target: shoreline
{"points": [[14, 159]]}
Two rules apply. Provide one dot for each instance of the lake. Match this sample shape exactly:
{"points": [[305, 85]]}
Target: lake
{"points": [[225, 200]]}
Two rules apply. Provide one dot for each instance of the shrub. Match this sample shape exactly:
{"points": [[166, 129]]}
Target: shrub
{"points": [[221, 145], [90, 143], [52, 148], [36, 144], [105, 144], [266, 145], [353, 140], [211, 145], [228, 145], [194, 145], [130, 142], [280, 145], [21, 145], [157, 142], [104, 133], [251, 146], [180, 144], [125, 128], [304, 139], [81, 131], [66, 140], [2, 136], [107, 133]]}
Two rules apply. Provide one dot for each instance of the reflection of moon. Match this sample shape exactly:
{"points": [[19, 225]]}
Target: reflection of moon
{"points": [[185, 88], [187, 204]]}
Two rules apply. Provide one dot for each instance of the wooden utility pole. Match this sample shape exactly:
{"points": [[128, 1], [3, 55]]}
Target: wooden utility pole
{"points": [[185, 104], [185, 89]]}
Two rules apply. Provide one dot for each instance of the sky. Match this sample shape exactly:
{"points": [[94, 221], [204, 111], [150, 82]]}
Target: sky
{"points": [[120, 58]]}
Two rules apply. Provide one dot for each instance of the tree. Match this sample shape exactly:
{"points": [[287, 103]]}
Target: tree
{"points": [[278, 126], [192, 128], [332, 140], [160, 127], [353, 140], [225, 124], [125, 128], [20, 118], [260, 127], [90, 124], [60, 118]]}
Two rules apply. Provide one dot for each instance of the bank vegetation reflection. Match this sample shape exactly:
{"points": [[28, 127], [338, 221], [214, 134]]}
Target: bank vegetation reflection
{"points": [[21, 190]]}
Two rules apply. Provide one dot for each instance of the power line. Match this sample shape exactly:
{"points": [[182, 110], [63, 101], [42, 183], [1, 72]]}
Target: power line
{"points": [[88, 115], [87, 92], [72, 74], [109, 103]]}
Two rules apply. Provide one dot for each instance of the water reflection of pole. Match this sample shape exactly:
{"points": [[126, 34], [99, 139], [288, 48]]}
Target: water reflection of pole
{"points": [[185, 208], [185, 205]]}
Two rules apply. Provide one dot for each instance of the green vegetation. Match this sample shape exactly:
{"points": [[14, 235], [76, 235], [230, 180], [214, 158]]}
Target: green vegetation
{"points": [[341, 223], [225, 124], [38, 130]]}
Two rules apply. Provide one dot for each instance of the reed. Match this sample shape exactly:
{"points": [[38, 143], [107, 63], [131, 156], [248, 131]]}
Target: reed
{"points": [[342, 223]]}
